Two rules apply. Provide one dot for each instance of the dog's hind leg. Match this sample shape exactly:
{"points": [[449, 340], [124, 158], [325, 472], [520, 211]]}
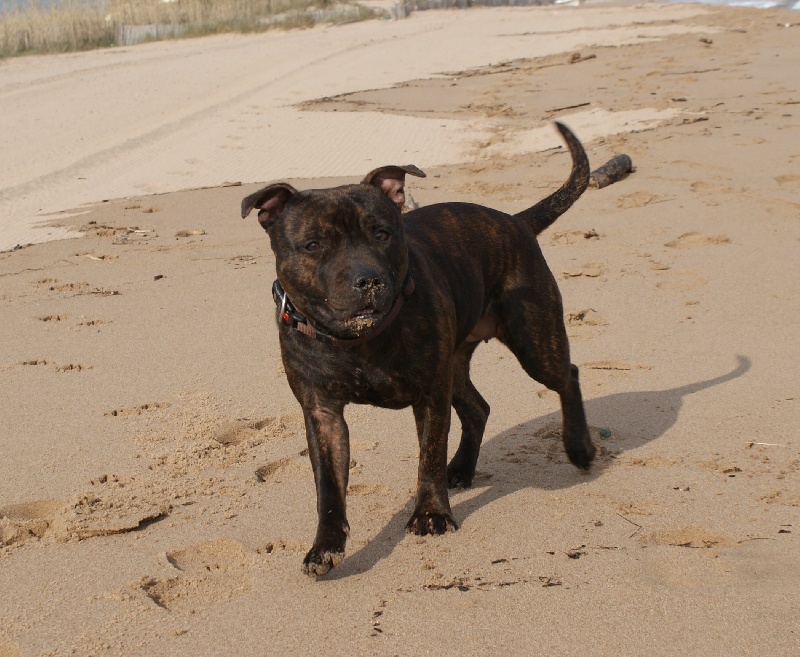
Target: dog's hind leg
{"points": [[473, 412], [536, 335], [577, 442]]}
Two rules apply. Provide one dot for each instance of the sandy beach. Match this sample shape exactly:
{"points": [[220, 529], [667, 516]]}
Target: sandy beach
{"points": [[155, 493]]}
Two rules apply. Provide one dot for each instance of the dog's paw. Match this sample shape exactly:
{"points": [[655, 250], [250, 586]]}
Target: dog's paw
{"points": [[460, 471], [581, 451], [423, 524], [459, 477], [319, 561]]}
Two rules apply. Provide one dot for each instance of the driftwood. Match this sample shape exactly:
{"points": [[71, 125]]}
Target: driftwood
{"points": [[612, 171]]}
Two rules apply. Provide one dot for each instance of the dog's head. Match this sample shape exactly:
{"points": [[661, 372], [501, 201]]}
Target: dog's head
{"points": [[340, 253]]}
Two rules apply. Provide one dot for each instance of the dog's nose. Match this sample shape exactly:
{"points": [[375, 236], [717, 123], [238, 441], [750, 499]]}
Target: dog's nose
{"points": [[367, 279]]}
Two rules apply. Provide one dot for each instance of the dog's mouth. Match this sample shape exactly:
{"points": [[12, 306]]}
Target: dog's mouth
{"points": [[366, 311], [353, 317], [364, 319]]}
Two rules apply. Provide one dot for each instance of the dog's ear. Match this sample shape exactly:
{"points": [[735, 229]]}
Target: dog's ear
{"points": [[270, 202], [391, 181]]}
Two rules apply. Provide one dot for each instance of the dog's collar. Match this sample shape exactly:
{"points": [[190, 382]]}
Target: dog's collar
{"points": [[288, 314]]}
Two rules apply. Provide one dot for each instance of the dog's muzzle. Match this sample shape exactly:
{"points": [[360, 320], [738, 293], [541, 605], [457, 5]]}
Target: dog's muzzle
{"points": [[288, 314]]}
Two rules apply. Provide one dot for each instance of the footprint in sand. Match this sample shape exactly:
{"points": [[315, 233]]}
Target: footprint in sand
{"points": [[588, 270], [712, 192], [585, 317], [574, 236], [272, 469], [548, 440], [115, 509], [207, 573], [69, 287], [638, 200], [583, 324], [692, 240], [234, 433], [290, 467], [20, 523]]}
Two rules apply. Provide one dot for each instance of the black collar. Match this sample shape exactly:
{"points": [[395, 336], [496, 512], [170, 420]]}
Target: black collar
{"points": [[288, 314]]}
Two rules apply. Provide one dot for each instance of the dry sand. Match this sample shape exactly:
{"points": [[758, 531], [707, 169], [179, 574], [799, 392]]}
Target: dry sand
{"points": [[155, 498]]}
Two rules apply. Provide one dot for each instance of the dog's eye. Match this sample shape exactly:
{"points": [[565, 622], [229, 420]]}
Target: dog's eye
{"points": [[312, 246], [382, 235]]}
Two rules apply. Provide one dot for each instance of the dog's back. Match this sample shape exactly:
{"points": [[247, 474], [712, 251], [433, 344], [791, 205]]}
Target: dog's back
{"points": [[481, 252]]}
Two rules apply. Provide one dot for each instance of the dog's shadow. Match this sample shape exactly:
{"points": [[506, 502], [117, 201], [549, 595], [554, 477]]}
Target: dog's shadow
{"points": [[635, 418]]}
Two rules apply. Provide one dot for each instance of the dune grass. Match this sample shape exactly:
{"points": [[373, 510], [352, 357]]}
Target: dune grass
{"points": [[67, 25]]}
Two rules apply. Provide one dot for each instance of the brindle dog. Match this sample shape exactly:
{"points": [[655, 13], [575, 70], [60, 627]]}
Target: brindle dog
{"points": [[383, 309]]}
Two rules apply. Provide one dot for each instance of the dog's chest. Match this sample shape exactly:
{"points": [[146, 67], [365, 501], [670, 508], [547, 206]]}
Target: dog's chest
{"points": [[367, 384], [373, 378]]}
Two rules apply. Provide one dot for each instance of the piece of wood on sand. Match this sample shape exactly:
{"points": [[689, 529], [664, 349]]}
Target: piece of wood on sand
{"points": [[617, 168]]}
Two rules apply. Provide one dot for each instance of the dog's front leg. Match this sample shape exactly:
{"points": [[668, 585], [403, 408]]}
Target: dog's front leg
{"points": [[329, 450], [432, 513]]}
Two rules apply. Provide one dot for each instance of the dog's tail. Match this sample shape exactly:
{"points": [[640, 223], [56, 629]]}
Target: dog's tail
{"points": [[546, 211]]}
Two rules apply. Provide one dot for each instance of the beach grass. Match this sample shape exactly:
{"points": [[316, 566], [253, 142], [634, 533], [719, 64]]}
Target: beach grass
{"points": [[68, 25]]}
